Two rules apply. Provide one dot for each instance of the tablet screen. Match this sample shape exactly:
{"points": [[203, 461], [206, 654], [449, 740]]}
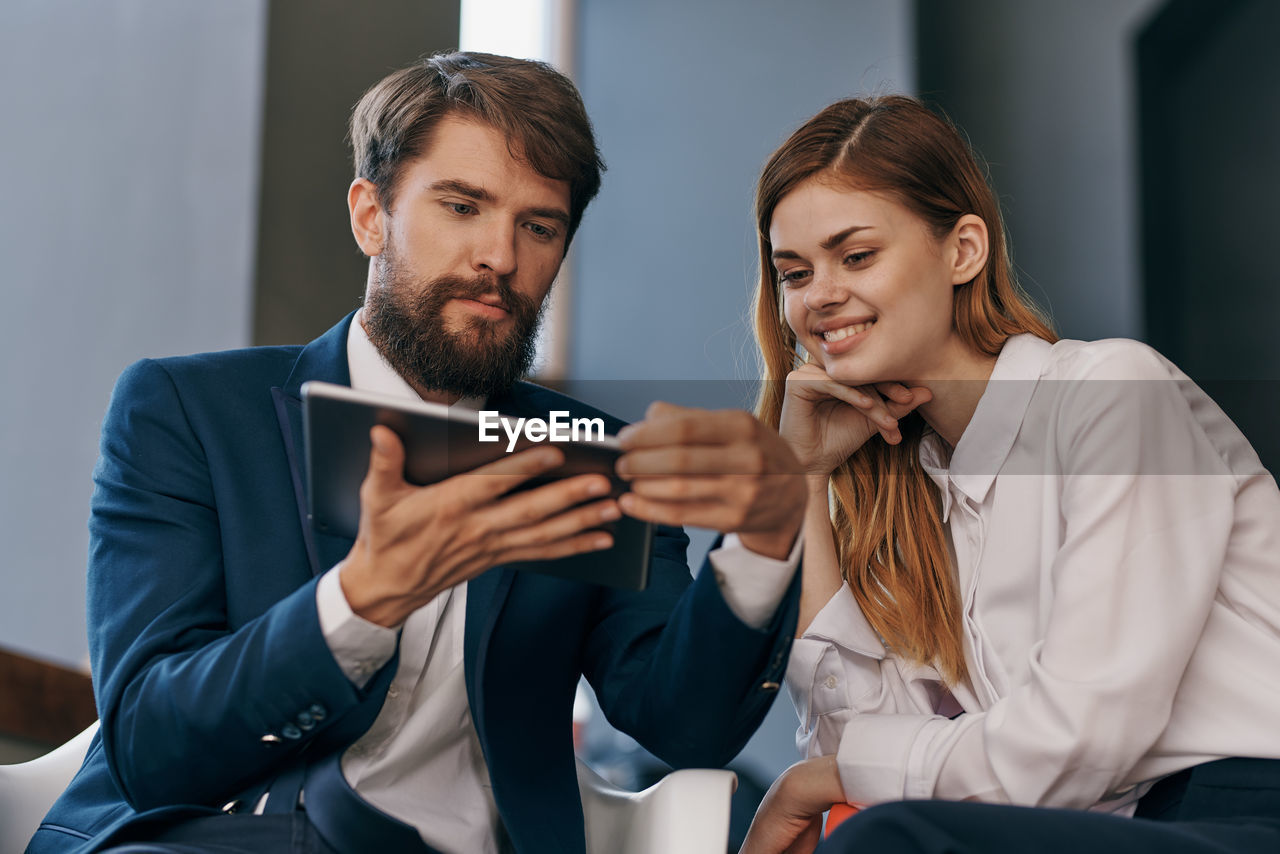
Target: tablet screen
{"points": [[441, 442]]}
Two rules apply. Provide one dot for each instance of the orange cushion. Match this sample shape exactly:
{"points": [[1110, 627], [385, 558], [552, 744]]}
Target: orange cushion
{"points": [[839, 812]]}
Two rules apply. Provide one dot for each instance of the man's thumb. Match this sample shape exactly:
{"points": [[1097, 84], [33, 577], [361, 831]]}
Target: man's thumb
{"points": [[386, 456]]}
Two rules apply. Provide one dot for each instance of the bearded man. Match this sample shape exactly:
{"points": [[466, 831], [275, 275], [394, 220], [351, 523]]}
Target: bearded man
{"points": [[266, 687]]}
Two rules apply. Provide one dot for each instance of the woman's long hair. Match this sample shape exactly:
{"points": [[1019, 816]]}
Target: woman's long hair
{"points": [[888, 528]]}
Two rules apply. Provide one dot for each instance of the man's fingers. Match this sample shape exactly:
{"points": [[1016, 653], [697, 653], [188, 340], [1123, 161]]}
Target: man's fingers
{"points": [[668, 424], [483, 484], [742, 458], [386, 454], [526, 509], [561, 526], [686, 488], [662, 409], [385, 479], [702, 514], [591, 541]]}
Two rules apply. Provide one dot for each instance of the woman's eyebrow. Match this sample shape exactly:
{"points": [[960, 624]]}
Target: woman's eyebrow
{"points": [[837, 238], [828, 244]]}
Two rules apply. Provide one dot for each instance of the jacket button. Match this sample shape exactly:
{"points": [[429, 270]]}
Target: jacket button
{"points": [[305, 720], [317, 711], [290, 731], [271, 738], [232, 807], [769, 686]]}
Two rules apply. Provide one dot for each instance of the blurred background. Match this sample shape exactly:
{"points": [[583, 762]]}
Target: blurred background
{"points": [[177, 173]]}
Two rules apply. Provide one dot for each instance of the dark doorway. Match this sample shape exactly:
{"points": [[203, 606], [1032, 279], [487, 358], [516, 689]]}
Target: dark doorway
{"points": [[1209, 136]]}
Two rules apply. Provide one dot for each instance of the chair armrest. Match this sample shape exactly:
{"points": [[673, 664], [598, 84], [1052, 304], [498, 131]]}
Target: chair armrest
{"points": [[28, 789], [686, 812]]}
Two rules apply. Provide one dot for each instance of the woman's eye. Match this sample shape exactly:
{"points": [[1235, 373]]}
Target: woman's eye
{"points": [[855, 258], [793, 277]]}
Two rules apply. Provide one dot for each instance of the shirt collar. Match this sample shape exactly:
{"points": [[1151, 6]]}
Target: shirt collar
{"points": [[990, 434], [370, 372]]}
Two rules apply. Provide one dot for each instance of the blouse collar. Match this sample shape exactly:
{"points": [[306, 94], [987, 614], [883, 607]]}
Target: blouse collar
{"points": [[985, 444]]}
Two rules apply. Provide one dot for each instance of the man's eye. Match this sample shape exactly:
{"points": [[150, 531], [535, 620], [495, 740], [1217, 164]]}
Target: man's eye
{"points": [[461, 208], [541, 231]]}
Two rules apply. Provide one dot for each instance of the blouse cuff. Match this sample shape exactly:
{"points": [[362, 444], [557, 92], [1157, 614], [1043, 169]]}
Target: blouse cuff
{"points": [[877, 754]]}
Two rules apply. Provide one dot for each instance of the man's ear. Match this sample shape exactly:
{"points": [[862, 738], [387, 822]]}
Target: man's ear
{"points": [[368, 220], [969, 248]]}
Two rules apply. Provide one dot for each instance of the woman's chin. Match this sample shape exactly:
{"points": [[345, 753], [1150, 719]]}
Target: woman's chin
{"points": [[853, 375]]}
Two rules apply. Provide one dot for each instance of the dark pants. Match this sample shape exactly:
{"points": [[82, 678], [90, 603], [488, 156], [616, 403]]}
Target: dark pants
{"points": [[335, 820], [1227, 807], [290, 833]]}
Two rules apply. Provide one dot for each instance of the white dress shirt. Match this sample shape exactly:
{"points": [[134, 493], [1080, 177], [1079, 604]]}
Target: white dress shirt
{"points": [[421, 761], [1117, 544]]}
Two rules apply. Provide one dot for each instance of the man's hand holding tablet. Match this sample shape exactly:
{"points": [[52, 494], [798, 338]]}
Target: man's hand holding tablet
{"points": [[416, 541], [431, 502]]}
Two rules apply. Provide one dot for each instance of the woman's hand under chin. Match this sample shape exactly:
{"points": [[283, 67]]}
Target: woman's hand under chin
{"points": [[789, 820], [825, 421]]}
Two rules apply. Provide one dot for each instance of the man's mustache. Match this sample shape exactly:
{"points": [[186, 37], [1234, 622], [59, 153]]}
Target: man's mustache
{"points": [[446, 288]]}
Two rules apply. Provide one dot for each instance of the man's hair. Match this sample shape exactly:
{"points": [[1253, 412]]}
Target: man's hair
{"points": [[536, 107]]}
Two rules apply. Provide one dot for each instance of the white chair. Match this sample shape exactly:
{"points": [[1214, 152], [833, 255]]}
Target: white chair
{"points": [[28, 789], [687, 812]]}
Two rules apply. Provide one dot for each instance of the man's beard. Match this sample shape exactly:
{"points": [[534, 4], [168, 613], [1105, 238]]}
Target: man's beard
{"points": [[404, 319]]}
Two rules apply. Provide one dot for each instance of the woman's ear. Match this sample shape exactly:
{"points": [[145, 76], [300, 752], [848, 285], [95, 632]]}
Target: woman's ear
{"points": [[368, 220], [969, 248]]}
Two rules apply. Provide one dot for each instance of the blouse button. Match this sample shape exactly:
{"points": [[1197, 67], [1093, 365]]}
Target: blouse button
{"points": [[831, 682]]}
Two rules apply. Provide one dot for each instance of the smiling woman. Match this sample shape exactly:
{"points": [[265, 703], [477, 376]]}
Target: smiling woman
{"points": [[872, 217], [1036, 572]]}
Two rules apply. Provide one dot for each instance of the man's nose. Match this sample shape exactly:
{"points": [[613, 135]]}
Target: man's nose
{"points": [[496, 251]]}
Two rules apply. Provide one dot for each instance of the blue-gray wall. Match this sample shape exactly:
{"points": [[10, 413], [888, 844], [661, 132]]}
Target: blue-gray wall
{"points": [[1047, 94], [688, 100], [130, 133]]}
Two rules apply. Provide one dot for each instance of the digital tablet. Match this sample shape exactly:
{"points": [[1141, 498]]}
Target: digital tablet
{"points": [[441, 442]]}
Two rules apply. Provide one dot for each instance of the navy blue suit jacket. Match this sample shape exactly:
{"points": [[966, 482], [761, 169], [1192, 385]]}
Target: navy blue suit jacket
{"points": [[205, 638]]}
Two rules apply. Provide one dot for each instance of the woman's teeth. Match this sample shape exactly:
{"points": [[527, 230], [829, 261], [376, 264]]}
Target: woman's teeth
{"points": [[844, 332]]}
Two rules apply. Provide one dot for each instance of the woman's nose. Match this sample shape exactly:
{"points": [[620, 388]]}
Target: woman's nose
{"points": [[823, 292]]}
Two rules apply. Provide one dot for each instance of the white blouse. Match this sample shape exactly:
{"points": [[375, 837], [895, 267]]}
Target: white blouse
{"points": [[1117, 544]]}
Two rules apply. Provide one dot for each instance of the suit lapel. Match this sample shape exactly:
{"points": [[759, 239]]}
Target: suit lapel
{"points": [[323, 359], [326, 359], [487, 593]]}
